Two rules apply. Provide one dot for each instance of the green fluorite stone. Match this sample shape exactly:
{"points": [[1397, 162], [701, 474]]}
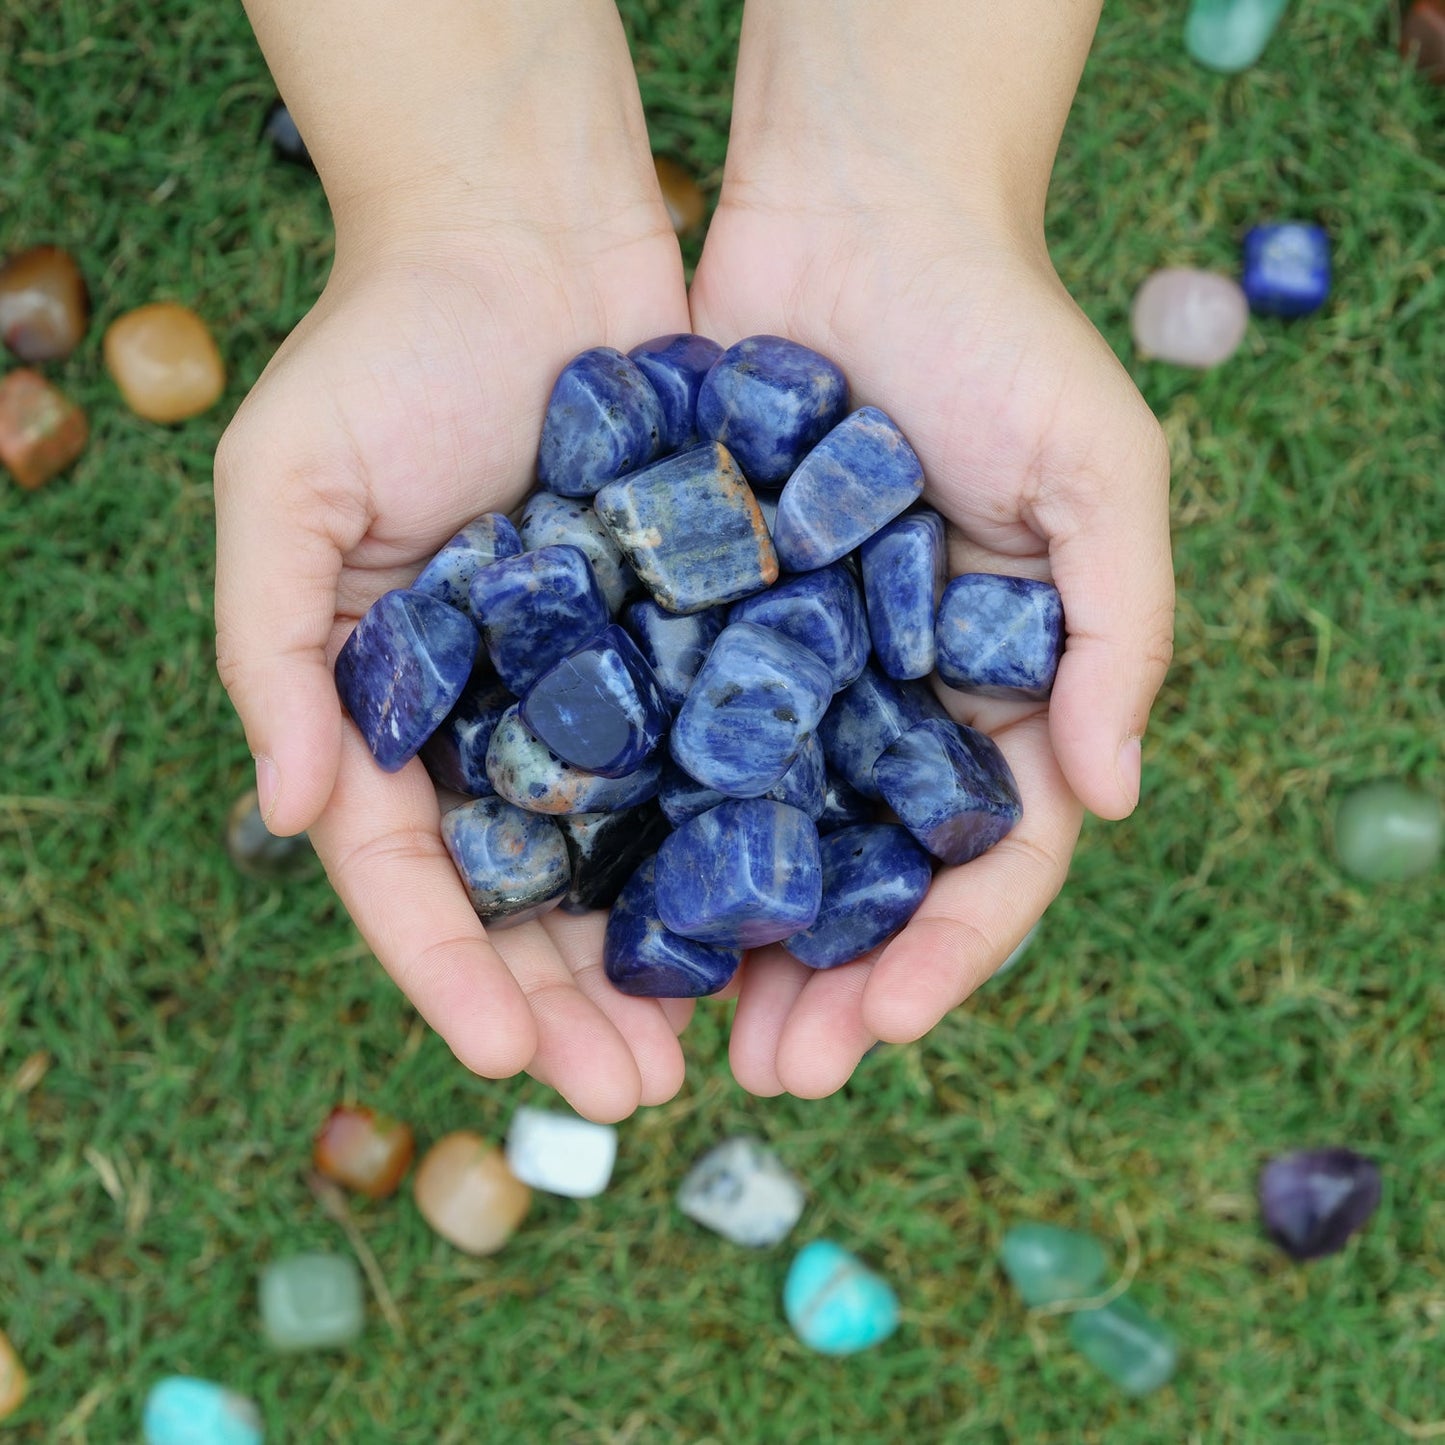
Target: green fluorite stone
{"points": [[312, 1302], [1230, 35], [1386, 832], [1047, 1264], [1137, 1353]]}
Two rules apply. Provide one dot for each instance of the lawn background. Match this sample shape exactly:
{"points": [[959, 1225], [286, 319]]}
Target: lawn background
{"points": [[1208, 990]]}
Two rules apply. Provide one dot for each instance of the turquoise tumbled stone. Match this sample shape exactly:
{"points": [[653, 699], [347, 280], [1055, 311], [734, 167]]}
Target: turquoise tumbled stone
{"points": [[1388, 832], [312, 1302], [835, 1304], [1046, 1264], [1136, 1352], [1230, 35], [183, 1411]]}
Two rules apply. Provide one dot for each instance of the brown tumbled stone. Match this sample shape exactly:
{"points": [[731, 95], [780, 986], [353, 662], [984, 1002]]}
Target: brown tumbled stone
{"points": [[683, 197], [44, 306], [1422, 35], [13, 1384], [165, 362], [468, 1195], [41, 431]]}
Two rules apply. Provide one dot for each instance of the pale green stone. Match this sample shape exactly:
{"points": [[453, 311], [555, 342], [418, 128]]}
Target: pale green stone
{"points": [[1137, 1353], [312, 1302], [1387, 832], [1230, 35], [1047, 1264]]}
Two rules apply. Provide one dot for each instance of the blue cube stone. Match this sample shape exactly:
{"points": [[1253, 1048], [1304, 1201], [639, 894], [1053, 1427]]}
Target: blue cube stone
{"points": [[864, 718], [402, 670], [606, 849], [1286, 268], [802, 787], [852, 484], [603, 420], [514, 863], [874, 878], [754, 703], [835, 1304], [643, 957], [456, 753], [536, 608], [600, 708], [674, 644], [691, 528], [770, 401], [675, 366], [821, 610], [1000, 636], [843, 805], [951, 787], [448, 576], [747, 873], [904, 569], [552, 521], [182, 1410], [527, 773]]}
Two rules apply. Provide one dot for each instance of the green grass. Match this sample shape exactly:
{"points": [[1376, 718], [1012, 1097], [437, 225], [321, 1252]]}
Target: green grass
{"points": [[1208, 990]]}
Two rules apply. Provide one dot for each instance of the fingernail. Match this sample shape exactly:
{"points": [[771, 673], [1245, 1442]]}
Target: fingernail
{"points": [[1130, 764], [268, 786]]}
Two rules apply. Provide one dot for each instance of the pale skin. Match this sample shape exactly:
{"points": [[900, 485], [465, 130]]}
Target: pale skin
{"points": [[496, 212]]}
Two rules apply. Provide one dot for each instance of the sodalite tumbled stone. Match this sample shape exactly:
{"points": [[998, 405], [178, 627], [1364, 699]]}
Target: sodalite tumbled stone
{"points": [[1136, 1352], [904, 568], [691, 528], [643, 957], [855, 481], [456, 753], [600, 708], [534, 609], [843, 804], [951, 787], [402, 670], [1000, 636], [675, 366], [514, 863], [770, 400], [448, 576], [874, 878], [603, 420], [754, 703], [674, 644], [823, 611], [181, 1410], [552, 521], [803, 787], [746, 872], [1286, 268], [606, 849], [835, 1304], [864, 718]]}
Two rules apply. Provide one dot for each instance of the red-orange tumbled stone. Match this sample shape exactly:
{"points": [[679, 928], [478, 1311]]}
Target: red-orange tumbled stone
{"points": [[363, 1150], [41, 431], [44, 306]]}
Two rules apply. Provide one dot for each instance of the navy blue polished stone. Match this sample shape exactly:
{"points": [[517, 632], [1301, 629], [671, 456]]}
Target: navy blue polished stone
{"points": [[603, 420], [853, 483], [605, 850], [552, 521], [904, 567], [951, 787], [600, 708], [675, 366], [802, 787], [402, 670], [1000, 636], [864, 718], [643, 957], [843, 805], [674, 644], [874, 878], [534, 609], [769, 401], [754, 703], [514, 864], [526, 772], [821, 610], [747, 872], [456, 753], [448, 576], [1286, 268], [691, 528]]}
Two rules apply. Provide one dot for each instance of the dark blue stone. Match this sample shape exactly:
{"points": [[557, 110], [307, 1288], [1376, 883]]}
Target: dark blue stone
{"points": [[802, 787], [843, 805], [675, 366], [747, 872], [605, 850], [456, 753], [603, 420], [552, 521], [951, 787], [1000, 636], [853, 483], [769, 401], [643, 957], [691, 528], [822, 611], [281, 130], [874, 878], [600, 708], [674, 644], [864, 718], [754, 703], [534, 609], [1312, 1201], [402, 670], [1286, 268], [514, 864], [448, 576], [904, 568]]}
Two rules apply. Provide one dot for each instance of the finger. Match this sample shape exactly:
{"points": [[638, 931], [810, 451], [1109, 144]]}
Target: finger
{"points": [[771, 983], [678, 1011], [824, 1035]]}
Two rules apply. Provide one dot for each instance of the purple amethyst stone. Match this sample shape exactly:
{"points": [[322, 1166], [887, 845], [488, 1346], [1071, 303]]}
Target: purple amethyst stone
{"points": [[1312, 1201]]}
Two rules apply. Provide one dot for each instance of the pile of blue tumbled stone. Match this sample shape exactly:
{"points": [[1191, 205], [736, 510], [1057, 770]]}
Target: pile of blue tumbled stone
{"points": [[690, 683]]}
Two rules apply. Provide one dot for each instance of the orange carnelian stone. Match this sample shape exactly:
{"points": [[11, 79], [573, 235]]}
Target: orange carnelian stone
{"points": [[41, 431], [365, 1151]]}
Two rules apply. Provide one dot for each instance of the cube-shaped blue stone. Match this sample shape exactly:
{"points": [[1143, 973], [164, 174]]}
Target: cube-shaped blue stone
{"points": [[852, 484], [864, 718], [1000, 636], [600, 708], [674, 644], [675, 366], [823, 611], [951, 788], [801, 787], [552, 521], [1286, 268], [770, 401], [514, 863], [603, 420], [456, 753], [755, 701], [448, 576], [402, 670], [606, 849], [904, 569]]}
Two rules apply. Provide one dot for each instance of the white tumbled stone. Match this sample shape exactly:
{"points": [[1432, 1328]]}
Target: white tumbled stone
{"points": [[741, 1190], [560, 1153]]}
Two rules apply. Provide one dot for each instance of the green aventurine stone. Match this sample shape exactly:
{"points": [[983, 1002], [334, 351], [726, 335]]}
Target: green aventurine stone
{"points": [[1387, 832], [1135, 1352], [311, 1302], [1230, 35], [1047, 1264]]}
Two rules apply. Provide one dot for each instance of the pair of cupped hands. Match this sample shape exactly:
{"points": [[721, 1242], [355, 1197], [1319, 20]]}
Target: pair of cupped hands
{"points": [[410, 400]]}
